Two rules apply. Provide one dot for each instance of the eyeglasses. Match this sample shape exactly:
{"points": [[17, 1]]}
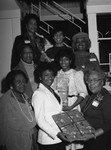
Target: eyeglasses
{"points": [[19, 83], [93, 80]]}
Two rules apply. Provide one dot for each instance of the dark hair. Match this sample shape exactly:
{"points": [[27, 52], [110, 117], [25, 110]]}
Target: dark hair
{"points": [[25, 45], [30, 16], [67, 52], [55, 30], [43, 66], [11, 76]]}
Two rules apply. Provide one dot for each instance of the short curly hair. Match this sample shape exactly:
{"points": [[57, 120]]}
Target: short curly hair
{"points": [[81, 35], [43, 66], [26, 45], [11, 77], [56, 30], [30, 16], [66, 52], [89, 72]]}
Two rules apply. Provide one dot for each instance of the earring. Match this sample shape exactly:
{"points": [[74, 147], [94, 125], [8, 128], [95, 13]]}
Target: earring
{"points": [[11, 87]]}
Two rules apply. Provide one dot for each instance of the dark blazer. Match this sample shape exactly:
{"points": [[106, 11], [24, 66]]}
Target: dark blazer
{"points": [[99, 117], [86, 59]]}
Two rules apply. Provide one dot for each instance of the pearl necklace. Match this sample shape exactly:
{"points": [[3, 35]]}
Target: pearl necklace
{"points": [[21, 107]]}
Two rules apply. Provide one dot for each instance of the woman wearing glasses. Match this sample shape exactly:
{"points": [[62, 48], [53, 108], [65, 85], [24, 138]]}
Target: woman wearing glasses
{"points": [[97, 111]]}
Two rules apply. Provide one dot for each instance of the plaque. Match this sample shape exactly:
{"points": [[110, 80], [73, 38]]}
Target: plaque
{"points": [[74, 124]]}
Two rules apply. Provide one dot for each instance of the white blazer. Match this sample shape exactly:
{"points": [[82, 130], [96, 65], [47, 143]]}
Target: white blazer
{"points": [[45, 105]]}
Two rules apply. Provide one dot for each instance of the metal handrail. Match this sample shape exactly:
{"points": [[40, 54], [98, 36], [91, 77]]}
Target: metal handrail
{"points": [[33, 7], [37, 10], [67, 11], [60, 15], [49, 26], [54, 11]]}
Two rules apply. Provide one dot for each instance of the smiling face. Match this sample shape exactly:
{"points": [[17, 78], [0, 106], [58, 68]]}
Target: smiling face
{"points": [[19, 84], [27, 55], [95, 83], [58, 37], [81, 44], [47, 78], [32, 26], [65, 63]]}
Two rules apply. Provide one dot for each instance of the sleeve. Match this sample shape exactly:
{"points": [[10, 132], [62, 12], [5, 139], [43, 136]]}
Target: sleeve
{"points": [[54, 84], [80, 85], [15, 58], [72, 86], [93, 58], [106, 112], [38, 103], [2, 127]]}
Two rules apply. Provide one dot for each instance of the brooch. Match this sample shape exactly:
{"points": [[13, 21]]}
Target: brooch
{"points": [[99, 97]]}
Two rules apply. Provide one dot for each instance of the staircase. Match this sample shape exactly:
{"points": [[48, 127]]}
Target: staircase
{"points": [[56, 12]]}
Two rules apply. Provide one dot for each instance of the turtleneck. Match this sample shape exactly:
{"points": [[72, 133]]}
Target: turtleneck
{"points": [[30, 69]]}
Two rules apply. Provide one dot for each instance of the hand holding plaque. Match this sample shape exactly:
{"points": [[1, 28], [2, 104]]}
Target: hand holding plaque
{"points": [[74, 124]]}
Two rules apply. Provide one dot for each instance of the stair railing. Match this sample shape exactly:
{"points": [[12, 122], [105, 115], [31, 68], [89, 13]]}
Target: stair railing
{"points": [[60, 15], [67, 12], [37, 10]]}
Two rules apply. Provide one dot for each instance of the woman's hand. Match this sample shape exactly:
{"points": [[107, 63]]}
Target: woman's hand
{"points": [[67, 108], [63, 136], [95, 134], [99, 132]]}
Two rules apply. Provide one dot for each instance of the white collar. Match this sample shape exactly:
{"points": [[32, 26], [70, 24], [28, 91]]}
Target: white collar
{"points": [[26, 64]]}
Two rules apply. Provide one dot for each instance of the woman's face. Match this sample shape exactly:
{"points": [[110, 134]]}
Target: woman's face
{"points": [[58, 37], [32, 26], [81, 44], [95, 83], [19, 84], [65, 63], [27, 55], [47, 78]]}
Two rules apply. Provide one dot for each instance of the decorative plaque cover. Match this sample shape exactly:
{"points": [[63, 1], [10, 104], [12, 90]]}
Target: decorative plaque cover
{"points": [[73, 123]]}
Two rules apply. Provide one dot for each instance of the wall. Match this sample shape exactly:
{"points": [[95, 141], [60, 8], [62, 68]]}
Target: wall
{"points": [[9, 28], [95, 7], [99, 2]]}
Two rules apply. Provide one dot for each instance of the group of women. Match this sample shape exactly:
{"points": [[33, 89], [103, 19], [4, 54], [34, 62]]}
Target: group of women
{"points": [[61, 86]]}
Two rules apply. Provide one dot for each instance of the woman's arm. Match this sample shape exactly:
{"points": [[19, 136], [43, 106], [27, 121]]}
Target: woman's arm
{"points": [[80, 88], [106, 111], [98, 132], [38, 102]]}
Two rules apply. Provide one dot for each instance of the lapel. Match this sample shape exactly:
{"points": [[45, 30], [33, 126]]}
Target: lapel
{"points": [[89, 102], [51, 98]]}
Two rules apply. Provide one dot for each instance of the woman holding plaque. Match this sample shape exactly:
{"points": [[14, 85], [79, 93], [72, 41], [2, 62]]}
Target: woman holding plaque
{"points": [[46, 103], [97, 111], [69, 82]]}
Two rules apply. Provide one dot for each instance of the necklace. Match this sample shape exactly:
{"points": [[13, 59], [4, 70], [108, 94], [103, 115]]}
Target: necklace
{"points": [[30, 120]]}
